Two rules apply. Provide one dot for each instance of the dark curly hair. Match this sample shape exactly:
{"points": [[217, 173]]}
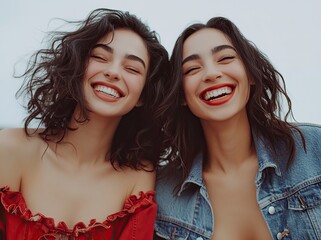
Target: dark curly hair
{"points": [[53, 84], [263, 107]]}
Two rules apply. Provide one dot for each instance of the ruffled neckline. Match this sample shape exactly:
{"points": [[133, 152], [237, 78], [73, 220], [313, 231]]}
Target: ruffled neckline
{"points": [[14, 203]]}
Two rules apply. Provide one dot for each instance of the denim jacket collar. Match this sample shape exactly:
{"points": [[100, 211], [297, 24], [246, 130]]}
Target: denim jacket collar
{"points": [[265, 160], [195, 176], [266, 156]]}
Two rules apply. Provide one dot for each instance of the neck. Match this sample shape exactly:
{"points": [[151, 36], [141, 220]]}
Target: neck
{"points": [[90, 143], [229, 144]]}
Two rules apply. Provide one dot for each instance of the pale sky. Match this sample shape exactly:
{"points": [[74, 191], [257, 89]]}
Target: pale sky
{"points": [[287, 31]]}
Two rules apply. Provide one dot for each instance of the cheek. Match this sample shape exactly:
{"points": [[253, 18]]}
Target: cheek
{"points": [[246, 89], [136, 85], [237, 72], [188, 86], [90, 71]]}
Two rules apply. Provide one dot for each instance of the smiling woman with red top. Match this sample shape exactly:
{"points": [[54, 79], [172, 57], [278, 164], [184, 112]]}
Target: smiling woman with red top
{"points": [[236, 170], [87, 171]]}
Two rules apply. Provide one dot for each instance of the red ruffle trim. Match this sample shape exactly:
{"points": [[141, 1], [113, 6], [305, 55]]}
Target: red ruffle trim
{"points": [[14, 203]]}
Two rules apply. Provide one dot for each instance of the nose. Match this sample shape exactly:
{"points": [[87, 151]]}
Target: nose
{"points": [[112, 71], [211, 73]]}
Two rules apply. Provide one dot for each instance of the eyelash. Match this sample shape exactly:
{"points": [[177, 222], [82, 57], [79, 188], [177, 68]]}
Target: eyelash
{"points": [[226, 58], [132, 70], [190, 70], [98, 57]]}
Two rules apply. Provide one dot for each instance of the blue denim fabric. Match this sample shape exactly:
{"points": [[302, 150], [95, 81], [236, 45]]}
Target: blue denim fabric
{"points": [[288, 198]]}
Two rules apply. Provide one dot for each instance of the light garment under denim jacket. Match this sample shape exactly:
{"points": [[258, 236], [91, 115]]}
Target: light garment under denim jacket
{"points": [[289, 199]]}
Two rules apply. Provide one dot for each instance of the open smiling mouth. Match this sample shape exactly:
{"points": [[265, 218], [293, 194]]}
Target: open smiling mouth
{"points": [[111, 92], [217, 95]]}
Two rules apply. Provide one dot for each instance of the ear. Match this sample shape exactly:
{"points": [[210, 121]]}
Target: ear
{"points": [[139, 103]]}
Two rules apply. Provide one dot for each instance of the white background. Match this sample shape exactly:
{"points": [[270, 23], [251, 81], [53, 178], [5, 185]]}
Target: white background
{"points": [[287, 31]]}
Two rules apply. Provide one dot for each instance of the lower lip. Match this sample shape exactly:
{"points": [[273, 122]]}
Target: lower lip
{"points": [[105, 97], [219, 101]]}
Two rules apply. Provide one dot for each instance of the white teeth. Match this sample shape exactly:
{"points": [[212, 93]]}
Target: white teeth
{"points": [[107, 90], [217, 92]]}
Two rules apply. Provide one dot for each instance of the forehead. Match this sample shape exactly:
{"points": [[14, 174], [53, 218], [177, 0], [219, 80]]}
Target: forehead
{"points": [[126, 42], [203, 41]]}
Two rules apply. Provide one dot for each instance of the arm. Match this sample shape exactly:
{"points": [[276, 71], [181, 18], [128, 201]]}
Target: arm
{"points": [[11, 152]]}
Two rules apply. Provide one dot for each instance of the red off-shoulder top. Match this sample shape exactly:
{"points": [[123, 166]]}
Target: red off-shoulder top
{"points": [[135, 221]]}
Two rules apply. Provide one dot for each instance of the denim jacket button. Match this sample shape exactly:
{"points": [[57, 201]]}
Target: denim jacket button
{"points": [[271, 210], [199, 238], [279, 236]]}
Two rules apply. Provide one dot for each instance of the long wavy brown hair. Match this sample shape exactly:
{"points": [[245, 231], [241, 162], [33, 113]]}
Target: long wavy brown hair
{"points": [[263, 108], [53, 85]]}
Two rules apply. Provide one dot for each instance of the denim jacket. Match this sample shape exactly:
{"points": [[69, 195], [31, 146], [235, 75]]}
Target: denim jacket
{"points": [[289, 198]]}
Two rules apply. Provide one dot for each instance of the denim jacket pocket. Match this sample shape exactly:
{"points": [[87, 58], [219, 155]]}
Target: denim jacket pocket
{"points": [[296, 213], [170, 231], [306, 198], [306, 207]]}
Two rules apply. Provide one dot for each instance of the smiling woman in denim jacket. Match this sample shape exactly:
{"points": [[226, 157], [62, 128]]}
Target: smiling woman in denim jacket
{"points": [[237, 170]]}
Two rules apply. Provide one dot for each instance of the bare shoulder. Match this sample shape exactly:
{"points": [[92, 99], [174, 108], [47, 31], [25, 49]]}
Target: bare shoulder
{"points": [[13, 141], [15, 147], [145, 179], [11, 135]]}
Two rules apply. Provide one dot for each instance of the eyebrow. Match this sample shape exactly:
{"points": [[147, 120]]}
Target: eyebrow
{"points": [[213, 50], [128, 56]]}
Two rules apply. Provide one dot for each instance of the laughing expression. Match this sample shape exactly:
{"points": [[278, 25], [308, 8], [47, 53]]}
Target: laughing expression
{"points": [[215, 83], [116, 73]]}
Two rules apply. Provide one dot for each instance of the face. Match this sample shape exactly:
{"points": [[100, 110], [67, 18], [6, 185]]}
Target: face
{"points": [[116, 73], [214, 79]]}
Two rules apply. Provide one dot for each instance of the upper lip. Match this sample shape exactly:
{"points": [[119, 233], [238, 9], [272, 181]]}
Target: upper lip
{"points": [[118, 90], [202, 94]]}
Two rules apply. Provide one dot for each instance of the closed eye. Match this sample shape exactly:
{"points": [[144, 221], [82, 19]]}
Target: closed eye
{"points": [[99, 58], [226, 59], [190, 70], [134, 70]]}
